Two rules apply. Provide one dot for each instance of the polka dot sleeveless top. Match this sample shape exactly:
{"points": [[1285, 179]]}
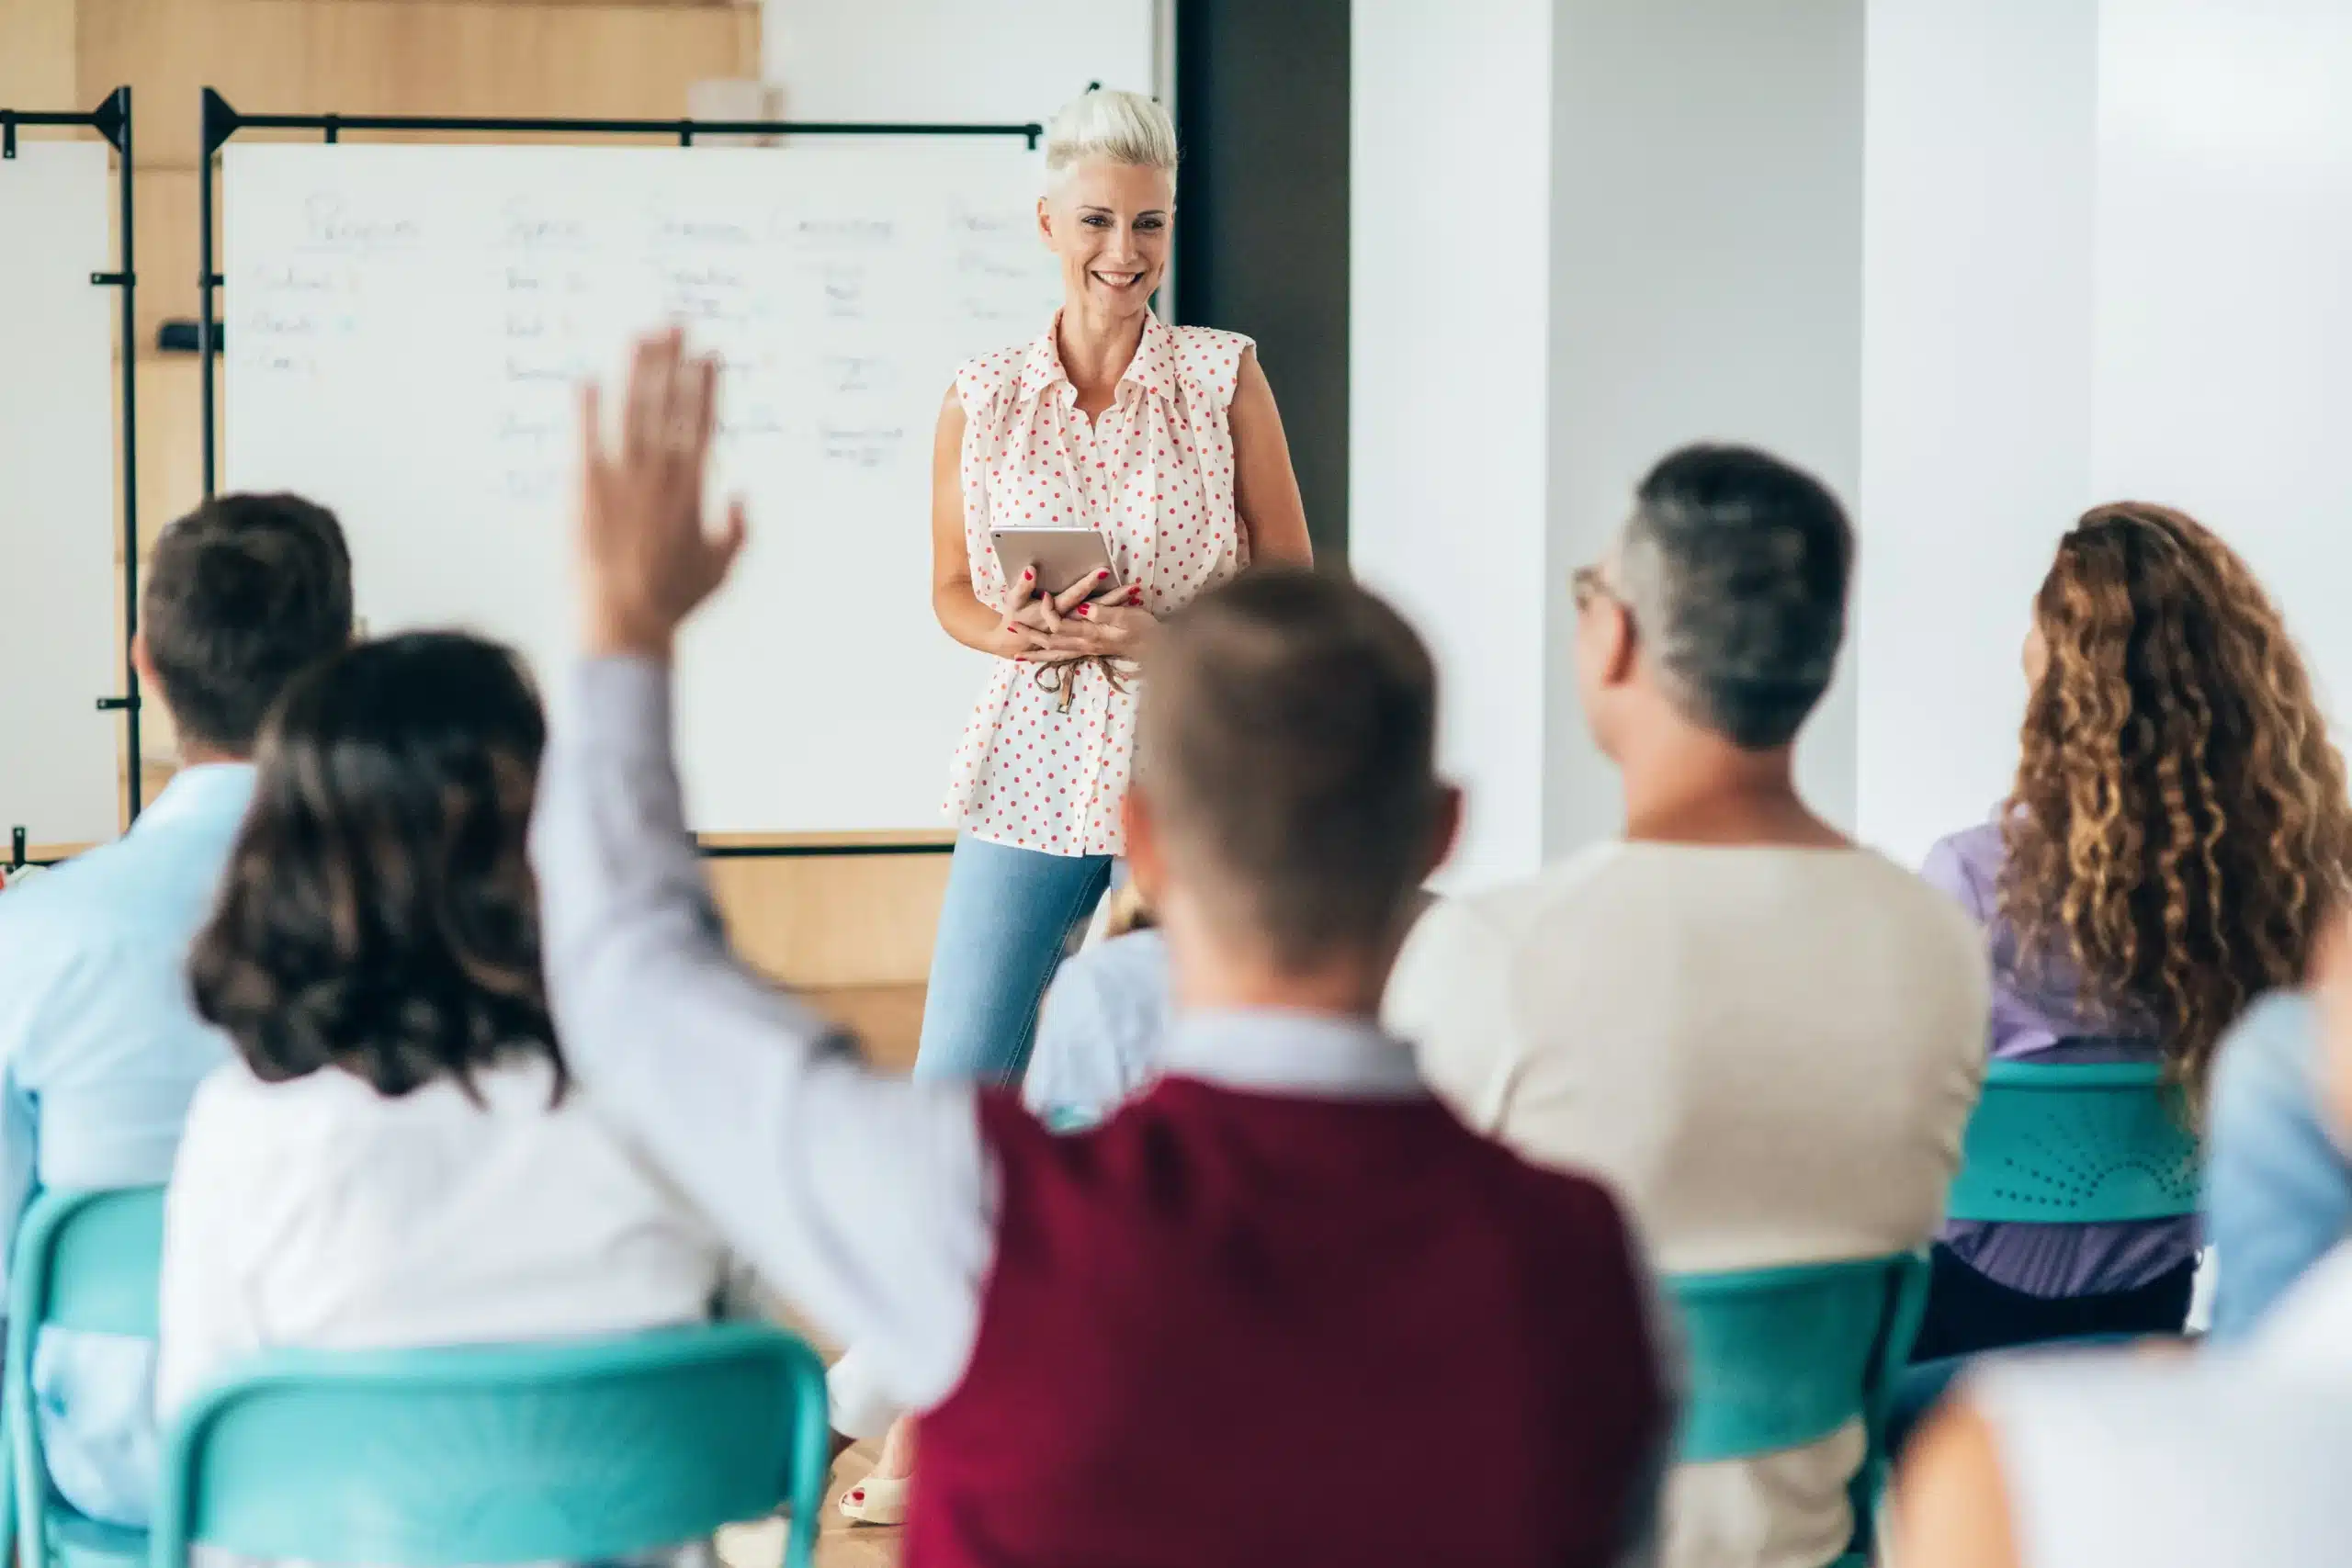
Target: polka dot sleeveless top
{"points": [[1153, 474]]}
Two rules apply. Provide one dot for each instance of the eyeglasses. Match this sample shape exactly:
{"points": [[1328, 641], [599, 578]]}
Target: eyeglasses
{"points": [[1586, 584]]}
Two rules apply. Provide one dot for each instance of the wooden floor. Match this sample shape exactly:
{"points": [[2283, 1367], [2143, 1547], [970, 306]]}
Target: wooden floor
{"points": [[841, 1544]]}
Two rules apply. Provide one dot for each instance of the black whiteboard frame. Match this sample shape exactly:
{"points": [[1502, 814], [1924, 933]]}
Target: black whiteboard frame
{"points": [[111, 120], [221, 121]]}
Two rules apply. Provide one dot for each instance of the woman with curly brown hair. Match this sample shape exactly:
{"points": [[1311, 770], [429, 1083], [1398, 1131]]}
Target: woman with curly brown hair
{"points": [[2177, 828], [397, 1157]]}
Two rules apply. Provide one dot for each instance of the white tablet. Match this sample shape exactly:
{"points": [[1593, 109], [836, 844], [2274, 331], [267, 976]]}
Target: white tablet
{"points": [[1060, 556]]}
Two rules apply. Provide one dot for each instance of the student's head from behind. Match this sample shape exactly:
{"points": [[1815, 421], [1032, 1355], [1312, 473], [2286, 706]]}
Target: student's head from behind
{"points": [[379, 914], [241, 595], [1721, 607], [1287, 807], [2178, 824]]}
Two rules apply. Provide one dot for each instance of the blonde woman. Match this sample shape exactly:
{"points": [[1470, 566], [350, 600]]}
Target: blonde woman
{"points": [[1166, 442]]}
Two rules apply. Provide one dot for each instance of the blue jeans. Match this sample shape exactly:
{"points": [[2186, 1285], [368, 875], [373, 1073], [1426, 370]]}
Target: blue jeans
{"points": [[1007, 918], [2277, 1191]]}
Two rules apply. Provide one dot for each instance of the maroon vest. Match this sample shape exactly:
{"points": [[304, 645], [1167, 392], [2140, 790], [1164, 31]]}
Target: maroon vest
{"points": [[1243, 1330]]}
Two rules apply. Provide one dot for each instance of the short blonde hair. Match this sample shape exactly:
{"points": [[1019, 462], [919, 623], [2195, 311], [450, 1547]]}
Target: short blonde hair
{"points": [[1110, 125]]}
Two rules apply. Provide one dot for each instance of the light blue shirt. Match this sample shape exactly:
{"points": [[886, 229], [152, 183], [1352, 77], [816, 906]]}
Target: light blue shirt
{"points": [[100, 1053], [1099, 1036]]}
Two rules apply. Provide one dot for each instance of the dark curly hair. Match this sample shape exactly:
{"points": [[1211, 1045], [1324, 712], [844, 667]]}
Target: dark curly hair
{"points": [[2178, 826], [377, 913]]}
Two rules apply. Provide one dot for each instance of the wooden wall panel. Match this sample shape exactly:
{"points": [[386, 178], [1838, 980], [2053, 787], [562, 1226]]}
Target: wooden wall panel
{"points": [[887, 1020], [171, 443], [164, 202], [454, 57], [834, 920], [37, 56]]}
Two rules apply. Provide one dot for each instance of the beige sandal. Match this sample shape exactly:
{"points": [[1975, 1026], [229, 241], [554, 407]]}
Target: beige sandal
{"points": [[875, 1501]]}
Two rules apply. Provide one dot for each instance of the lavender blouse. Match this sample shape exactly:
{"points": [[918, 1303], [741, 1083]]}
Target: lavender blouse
{"points": [[2042, 1018]]}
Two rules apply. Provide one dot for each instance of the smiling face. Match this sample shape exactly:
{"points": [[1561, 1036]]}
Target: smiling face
{"points": [[1109, 223]]}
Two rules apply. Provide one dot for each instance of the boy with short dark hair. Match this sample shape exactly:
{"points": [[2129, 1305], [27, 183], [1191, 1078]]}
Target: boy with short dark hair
{"points": [[100, 1047], [1233, 1325]]}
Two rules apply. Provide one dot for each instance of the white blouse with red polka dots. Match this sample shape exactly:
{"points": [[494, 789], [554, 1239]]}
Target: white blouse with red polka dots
{"points": [[1153, 474]]}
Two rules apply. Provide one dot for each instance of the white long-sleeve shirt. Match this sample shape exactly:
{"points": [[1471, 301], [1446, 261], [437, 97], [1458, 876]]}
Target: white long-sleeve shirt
{"points": [[319, 1212]]}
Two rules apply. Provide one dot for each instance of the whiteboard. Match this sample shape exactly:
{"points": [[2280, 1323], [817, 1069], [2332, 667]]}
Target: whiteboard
{"points": [[406, 327], [58, 755]]}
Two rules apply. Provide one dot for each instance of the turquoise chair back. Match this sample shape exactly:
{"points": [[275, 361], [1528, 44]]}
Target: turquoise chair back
{"points": [[87, 1260], [573, 1452], [1779, 1357], [2076, 1145]]}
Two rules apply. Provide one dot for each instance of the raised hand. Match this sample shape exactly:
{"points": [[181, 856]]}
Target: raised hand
{"points": [[647, 559]]}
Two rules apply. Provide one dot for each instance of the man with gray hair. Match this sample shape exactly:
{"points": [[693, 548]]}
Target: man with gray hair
{"points": [[1764, 1037]]}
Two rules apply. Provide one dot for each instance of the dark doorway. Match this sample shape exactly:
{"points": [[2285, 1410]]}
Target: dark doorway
{"points": [[1262, 239]]}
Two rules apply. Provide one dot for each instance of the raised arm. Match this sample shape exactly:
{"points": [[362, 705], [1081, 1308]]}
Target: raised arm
{"points": [[866, 1201], [1265, 488]]}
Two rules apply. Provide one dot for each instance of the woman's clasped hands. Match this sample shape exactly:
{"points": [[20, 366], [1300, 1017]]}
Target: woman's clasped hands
{"points": [[1096, 617]]}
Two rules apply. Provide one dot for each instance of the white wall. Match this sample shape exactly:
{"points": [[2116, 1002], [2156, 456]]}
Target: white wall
{"points": [[1979, 188], [2108, 249], [1448, 408], [953, 60], [1584, 231], [1706, 285], [2222, 381]]}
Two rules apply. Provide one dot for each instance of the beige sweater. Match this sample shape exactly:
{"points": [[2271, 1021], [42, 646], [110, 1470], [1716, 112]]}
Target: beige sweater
{"points": [[1769, 1053]]}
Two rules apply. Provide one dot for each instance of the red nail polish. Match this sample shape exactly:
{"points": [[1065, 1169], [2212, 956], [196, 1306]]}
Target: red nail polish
{"points": [[1101, 575], [1086, 609]]}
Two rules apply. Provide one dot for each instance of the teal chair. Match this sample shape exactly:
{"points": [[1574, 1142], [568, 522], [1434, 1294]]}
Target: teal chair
{"points": [[1779, 1357], [2070, 1146], [86, 1260], [572, 1452]]}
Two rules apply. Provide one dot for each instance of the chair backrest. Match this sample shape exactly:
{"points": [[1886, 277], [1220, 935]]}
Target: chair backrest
{"points": [[83, 1259], [575, 1452], [2076, 1145], [1783, 1357]]}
